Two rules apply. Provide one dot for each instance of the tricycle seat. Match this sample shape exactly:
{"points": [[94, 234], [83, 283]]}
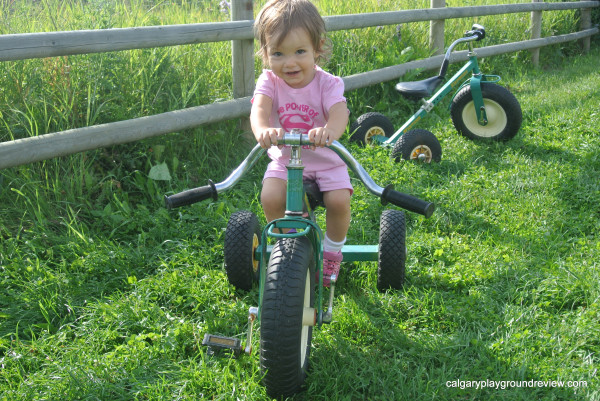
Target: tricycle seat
{"points": [[315, 196], [419, 89]]}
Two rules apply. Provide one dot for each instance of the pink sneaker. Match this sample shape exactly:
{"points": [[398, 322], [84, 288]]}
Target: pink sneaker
{"points": [[331, 265]]}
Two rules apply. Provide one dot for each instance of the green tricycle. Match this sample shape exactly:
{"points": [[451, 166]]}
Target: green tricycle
{"points": [[289, 272], [480, 109]]}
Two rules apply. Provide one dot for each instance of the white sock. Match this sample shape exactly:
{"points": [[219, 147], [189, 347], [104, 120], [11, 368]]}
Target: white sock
{"points": [[331, 246]]}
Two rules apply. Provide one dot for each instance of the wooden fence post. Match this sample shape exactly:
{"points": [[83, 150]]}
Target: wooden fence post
{"points": [[585, 23], [536, 33], [436, 30], [242, 58]]}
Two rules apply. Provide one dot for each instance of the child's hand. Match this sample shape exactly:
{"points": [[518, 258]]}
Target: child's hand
{"points": [[321, 136], [333, 130], [269, 137]]}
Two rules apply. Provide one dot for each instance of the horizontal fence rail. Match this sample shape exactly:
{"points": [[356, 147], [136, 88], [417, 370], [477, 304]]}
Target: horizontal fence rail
{"points": [[36, 45], [52, 44], [342, 22], [63, 143], [364, 79]]}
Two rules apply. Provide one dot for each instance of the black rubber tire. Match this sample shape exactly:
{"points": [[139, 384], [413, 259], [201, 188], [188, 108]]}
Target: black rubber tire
{"points": [[417, 144], [368, 125], [242, 237], [284, 341], [502, 109], [392, 250]]}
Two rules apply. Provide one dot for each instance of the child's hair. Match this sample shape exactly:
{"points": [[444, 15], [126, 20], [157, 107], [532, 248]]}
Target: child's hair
{"points": [[278, 17]]}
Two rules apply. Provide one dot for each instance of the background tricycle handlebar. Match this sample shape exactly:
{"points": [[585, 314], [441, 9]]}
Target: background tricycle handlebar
{"points": [[387, 194], [476, 34]]}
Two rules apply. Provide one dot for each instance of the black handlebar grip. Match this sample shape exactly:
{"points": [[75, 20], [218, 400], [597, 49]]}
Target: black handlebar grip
{"points": [[407, 202], [191, 196], [477, 30]]}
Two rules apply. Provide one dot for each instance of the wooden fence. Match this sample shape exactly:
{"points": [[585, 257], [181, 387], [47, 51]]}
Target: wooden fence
{"points": [[52, 44]]}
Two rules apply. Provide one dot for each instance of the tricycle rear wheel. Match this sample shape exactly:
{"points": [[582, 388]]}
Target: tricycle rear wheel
{"points": [[392, 250], [419, 145], [242, 237], [370, 125], [285, 339]]}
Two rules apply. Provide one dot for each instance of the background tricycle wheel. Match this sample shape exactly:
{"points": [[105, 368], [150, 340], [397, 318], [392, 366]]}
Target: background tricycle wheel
{"points": [[242, 237], [369, 125], [419, 145], [392, 250], [502, 109], [285, 338]]}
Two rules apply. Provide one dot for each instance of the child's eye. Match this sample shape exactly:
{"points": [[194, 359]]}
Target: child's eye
{"points": [[276, 54], [301, 51]]}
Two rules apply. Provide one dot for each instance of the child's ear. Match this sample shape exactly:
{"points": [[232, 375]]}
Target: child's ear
{"points": [[319, 52]]}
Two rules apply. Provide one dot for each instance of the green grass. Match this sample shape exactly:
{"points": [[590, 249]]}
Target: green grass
{"points": [[106, 295]]}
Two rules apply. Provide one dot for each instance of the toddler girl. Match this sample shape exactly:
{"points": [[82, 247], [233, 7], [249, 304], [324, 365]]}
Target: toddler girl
{"points": [[295, 93]]}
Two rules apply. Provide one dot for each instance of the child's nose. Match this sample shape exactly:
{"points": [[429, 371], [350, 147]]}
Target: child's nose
{"points": [[289, 61]]}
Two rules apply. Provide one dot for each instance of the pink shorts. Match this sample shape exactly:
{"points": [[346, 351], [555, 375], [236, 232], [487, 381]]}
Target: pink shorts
{"points": [[327, 180]]}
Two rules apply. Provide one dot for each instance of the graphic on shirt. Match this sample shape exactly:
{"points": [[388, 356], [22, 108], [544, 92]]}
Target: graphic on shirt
{"points": [[297, 116], [301, 122]]}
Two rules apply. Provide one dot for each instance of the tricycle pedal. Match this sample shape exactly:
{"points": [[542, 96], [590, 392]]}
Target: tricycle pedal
{"points": [[214, 342]]}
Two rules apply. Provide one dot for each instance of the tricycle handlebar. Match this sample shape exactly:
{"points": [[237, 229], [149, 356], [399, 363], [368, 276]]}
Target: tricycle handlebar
{"points": [[386, 195], [476, 34], [191, 196], [407, 202], [476, 30]]}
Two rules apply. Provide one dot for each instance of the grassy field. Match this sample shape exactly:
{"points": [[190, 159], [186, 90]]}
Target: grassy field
{"points": [[106, 295]]}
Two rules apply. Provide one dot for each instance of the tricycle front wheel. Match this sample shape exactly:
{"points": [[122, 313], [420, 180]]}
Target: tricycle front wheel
{"points": [[286, 337], [502, 109]]}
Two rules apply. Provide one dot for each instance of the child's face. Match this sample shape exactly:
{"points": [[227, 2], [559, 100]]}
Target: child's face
{"points": [[293, 60]]}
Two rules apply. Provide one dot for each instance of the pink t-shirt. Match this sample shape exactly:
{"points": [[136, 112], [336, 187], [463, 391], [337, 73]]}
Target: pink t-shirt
{"points": [[303, 109]]}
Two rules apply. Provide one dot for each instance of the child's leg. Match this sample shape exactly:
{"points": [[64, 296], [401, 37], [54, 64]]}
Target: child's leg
{"points": [[337, 204], [273, 197]]}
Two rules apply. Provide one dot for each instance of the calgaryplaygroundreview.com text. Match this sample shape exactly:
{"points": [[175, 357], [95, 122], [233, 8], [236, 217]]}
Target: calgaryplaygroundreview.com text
{"points": [[505, 384]]}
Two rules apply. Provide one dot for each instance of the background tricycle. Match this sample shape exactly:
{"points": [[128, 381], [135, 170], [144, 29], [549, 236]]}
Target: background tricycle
{"points": [[480, 109]]}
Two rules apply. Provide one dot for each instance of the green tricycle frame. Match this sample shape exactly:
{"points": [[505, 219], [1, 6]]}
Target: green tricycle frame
{"points": [[480, 109], [289, 272]]}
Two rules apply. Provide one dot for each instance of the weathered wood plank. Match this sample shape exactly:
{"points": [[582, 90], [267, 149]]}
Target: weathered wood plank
{"points": [[51, 44], [32, 149]]}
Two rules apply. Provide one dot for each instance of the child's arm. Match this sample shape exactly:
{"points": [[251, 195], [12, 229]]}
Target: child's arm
{"points": [[260, 113], [335, 127]]}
